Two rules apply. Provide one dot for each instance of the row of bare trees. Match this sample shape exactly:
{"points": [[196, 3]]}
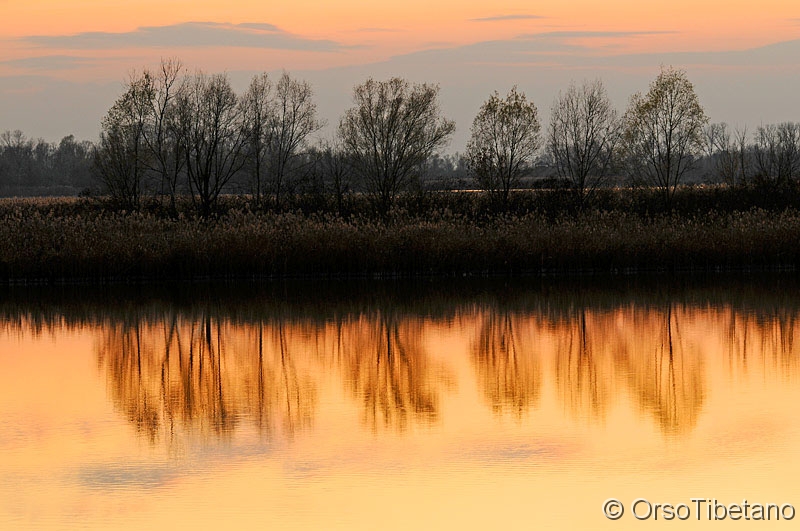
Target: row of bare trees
{"points": [[773, 156], [172, 133], [662, 137], [657, 140], [178, 133]]}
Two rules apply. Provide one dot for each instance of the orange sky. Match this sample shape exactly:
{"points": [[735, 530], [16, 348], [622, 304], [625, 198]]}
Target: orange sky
{"points": [[371, 31], [74, 56], [450, 17]]}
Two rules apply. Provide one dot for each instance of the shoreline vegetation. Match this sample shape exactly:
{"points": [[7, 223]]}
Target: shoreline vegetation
{"points": [[426, 234]]}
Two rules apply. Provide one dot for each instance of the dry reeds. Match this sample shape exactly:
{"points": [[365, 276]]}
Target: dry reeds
{"points": [[68, 240]]}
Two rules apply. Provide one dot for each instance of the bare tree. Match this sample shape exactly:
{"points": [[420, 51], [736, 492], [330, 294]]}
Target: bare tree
{"points": [[712, 136], [663, 132], [727, 151], [584, 130], [17, 155], [257, 107], [209, 127], [293, 121], [278, 119], [777, 152], [503, 142], [141, 120], [390, 132], [161, 135], [65, 163], [335, 169], [743, 154], [122, 158]]}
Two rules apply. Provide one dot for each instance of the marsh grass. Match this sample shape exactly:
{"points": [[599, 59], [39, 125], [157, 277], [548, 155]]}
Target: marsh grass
{"points": [[452, 234]]}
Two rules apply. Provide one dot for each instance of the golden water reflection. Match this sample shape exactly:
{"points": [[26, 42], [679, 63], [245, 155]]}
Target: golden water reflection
{"points": [[508, 367], [480, 406], [204, 374]]}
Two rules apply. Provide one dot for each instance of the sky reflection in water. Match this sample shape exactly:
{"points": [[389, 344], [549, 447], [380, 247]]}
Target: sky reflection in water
{"points": [[432, 394]]}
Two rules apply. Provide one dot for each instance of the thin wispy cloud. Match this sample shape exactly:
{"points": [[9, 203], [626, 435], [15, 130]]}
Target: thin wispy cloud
{"points": [[500, 18], [786, 53], [262, 26], [509, 51], [591, 34], [563, 53], [550, 46], [187, 34], [47, 63], [377, 30]]}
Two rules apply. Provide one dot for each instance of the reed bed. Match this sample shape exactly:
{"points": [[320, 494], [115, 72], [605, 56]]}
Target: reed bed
{"points": [[66, 240]]}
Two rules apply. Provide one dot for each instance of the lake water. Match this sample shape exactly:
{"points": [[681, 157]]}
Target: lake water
{"points": [[456, 405]]}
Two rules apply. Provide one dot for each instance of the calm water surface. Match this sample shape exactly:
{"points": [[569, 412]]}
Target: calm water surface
{"points": [[469, 405]]}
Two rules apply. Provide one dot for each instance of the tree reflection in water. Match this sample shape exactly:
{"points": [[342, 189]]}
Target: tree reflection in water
{"points": [[197, 371], [208, 376], [387, 369], [509, 372], [767, 338], [667, 378], [584, 370], [204, 377]]}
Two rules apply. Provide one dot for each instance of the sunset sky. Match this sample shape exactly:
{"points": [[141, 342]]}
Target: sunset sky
{"points": [[63, 64]]}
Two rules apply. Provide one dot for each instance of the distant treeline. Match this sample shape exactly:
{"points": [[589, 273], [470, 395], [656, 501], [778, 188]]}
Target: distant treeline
{"points": [[34, 167]]}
